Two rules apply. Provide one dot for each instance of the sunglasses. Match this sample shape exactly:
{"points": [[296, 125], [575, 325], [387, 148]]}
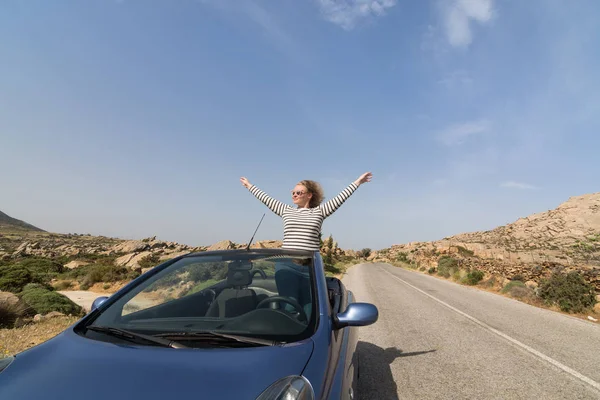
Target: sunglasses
{"points": [[299, 193]]}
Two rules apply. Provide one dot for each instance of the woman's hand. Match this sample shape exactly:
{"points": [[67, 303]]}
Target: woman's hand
{"points": [[366, 177], [245, 182]]}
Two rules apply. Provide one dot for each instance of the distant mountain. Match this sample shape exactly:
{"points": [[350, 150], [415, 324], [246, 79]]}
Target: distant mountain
{"points": [[10, 222]]}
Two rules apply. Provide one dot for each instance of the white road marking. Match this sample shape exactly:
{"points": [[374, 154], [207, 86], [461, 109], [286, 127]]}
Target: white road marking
{"points": [[544, 357]]}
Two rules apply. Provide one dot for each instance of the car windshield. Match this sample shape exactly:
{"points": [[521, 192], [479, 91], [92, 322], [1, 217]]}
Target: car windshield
{"points": [[250, 294]]}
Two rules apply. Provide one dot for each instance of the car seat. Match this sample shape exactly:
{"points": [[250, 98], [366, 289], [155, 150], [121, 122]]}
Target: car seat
{"points": [[293, 284], [235, 300]]}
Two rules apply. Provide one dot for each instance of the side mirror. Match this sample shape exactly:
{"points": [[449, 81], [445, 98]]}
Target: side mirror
{"points": [[357, 314], [98, 301]]}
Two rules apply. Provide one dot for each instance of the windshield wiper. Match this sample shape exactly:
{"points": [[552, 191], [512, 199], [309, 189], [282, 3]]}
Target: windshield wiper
{"points": [[212, 335], [134, 336]]}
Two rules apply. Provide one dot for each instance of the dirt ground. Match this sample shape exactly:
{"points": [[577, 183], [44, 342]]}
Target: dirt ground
{"points": [[15, 340], [83, 298]]}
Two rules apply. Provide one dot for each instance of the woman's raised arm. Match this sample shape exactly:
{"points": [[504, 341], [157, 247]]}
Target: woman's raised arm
{"points": [[274, 205], [330, 206]]}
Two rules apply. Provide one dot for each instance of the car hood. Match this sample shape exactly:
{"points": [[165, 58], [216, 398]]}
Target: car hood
{"points": [[73, 367]]}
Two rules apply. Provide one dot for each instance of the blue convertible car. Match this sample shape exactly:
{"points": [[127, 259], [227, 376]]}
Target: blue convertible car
{"points": [[236, 324]]}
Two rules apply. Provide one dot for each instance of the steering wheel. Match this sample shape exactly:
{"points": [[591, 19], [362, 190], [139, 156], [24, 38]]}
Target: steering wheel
{"points": [[292, 302], [261, 272]]}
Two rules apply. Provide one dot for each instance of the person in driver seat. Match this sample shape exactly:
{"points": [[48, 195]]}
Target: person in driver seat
{"points": [[302, 227]]}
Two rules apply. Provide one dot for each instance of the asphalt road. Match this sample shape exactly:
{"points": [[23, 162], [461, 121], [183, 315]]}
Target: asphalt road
{"points": [[439, 340]]}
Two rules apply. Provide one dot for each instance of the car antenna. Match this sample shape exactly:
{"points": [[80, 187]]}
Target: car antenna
{"points": [[252, 238]]}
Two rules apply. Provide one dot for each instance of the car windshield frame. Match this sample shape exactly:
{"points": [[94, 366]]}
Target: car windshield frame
{"points": [[112, 309]]}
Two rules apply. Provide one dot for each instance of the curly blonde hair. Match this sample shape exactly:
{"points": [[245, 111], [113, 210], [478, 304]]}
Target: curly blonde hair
{"points": [[316, 190]]}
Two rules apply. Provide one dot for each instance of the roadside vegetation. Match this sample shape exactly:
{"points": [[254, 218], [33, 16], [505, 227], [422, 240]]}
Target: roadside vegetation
{"points": [[31, 308], [567, 292], [335, 262], [30, 285]]}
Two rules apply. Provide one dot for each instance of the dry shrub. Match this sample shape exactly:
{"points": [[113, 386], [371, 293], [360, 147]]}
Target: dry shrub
{"points": [[11, 313], [518, 290]]}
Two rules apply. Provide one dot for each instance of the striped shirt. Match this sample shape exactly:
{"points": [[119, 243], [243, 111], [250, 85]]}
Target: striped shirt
{"points": [[302, 226]]}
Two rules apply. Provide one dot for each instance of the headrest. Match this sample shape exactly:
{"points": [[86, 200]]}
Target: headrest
{"points": [[239, 277], [240, 265]]}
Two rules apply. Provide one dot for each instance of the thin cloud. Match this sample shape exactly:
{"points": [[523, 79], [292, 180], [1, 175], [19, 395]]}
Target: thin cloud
{"points": [[518, 185], [456, 79], [458, 16], [346, 13], [268, 21], [458, 134]]}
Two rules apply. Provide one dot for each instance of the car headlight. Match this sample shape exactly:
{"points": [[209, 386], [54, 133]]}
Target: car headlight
{"points": [[289, 388], [5, 362]]}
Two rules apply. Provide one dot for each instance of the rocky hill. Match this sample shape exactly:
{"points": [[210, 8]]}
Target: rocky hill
{"points": [[565, 233], [8, 222], [71, 246], [567, 237], [75, 250]]}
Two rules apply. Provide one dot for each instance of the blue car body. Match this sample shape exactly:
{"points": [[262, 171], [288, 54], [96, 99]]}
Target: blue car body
{"points": [[73, 366]]}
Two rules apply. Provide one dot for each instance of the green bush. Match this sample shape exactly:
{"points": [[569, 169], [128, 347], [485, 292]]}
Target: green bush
{"points": [[13, 278], [473, 277], [149, 261], [43, 269], [465, 252], [444, 273], [44, 301], [402, 257], [447, 266], [457, 274], [205, 271], [200, 273], [364, 253], [431, 270], [447, 262], [332, 269], [569, 291], [134, 273], [89, 274], [42, 285]]}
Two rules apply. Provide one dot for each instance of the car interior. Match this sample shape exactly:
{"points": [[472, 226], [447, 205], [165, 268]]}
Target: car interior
{"points": [[247, 300]]}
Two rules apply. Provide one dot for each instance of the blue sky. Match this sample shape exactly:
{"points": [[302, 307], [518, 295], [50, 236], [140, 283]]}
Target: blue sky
{"points": [[137, 118]]}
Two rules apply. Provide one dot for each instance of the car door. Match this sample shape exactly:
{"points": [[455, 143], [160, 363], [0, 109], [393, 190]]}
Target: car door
{"points": [[342, 350]]}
